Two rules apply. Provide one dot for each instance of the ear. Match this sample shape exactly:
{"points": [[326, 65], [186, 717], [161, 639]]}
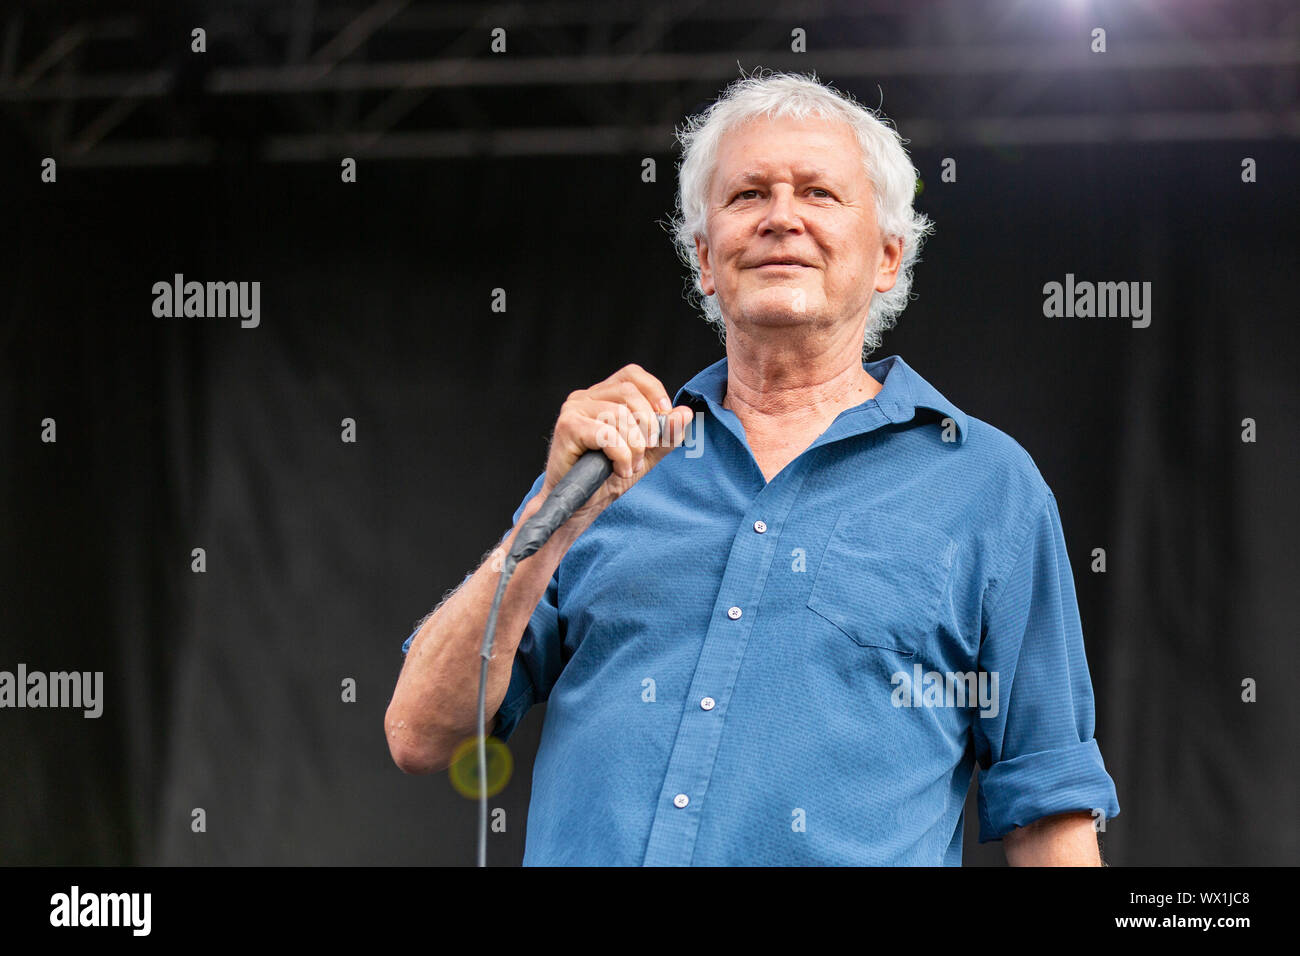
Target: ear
{"points": [[891, 257], [706, 271]]}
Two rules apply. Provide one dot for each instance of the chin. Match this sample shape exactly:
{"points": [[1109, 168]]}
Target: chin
{"points": [[776, 317], [775, 307]]}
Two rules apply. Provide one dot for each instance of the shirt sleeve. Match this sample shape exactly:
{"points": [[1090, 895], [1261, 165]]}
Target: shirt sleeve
{"points": [[538, 661], [1036, 753]]}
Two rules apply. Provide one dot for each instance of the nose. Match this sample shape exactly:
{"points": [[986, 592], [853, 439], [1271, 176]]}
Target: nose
{"points": [[781, 215]]}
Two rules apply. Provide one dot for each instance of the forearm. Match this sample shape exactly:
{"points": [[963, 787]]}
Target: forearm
{"points": [[435, 704], [1066, 839]]}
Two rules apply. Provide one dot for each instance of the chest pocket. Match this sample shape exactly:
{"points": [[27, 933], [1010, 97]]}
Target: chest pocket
{"points": [[881, 578]]}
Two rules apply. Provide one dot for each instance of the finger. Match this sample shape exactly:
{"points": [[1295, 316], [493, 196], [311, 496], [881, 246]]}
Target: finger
{"points": [[616, 419], [675, 433], [642, 410], [650, 387], [629, 411], [590, 432]]}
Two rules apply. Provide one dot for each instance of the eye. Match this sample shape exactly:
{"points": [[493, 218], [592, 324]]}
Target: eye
{"points": [[819, 189], [743, 193]]}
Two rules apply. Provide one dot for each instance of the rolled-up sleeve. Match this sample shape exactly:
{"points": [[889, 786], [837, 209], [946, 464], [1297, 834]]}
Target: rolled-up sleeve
{"points": [[1036, 753], [538, 659]]}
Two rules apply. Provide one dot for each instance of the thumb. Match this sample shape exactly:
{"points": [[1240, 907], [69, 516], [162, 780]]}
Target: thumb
{"points": [[677, 420]]}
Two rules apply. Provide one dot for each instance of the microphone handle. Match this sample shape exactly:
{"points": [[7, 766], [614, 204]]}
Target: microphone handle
{"points": [[571, 492]]}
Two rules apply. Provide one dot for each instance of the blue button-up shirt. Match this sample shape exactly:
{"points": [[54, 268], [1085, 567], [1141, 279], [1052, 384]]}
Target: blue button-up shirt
{"points": [[805, 670]]}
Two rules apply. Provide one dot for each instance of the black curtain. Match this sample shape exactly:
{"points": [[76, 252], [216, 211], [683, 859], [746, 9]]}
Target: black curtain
{"points": [[222, 689]]}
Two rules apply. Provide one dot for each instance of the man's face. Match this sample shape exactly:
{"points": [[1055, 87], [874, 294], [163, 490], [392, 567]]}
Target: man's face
{"points": [[795, 190]]}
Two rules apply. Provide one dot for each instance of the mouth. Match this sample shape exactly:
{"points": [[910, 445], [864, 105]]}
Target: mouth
{"points": [[782, 264]]}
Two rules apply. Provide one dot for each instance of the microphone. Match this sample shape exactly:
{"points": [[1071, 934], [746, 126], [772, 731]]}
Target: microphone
{"points": [[570, 493]]}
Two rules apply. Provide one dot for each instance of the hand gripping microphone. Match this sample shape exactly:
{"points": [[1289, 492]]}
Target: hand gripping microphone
{"points": [[570, 493]]}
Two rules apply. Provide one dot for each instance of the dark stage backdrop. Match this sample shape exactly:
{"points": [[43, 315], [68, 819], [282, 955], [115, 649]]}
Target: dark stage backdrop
{"points": [[223, 688]]}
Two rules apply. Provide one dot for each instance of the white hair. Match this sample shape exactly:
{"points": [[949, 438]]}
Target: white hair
{"points": [[891, 173]]}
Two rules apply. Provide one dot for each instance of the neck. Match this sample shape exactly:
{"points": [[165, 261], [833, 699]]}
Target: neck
{"points": [[792, 384]]}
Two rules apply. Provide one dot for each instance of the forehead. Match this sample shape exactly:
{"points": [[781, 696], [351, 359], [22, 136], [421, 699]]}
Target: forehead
{"points": [[814, 147]]}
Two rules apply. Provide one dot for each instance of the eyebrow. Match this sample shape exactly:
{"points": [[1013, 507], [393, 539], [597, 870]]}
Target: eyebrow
{"points": [[758, 175]]}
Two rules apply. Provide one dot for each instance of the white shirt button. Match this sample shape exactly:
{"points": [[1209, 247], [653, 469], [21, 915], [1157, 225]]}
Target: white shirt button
{"points": [[760, 526], [708, 703], [681, 800], [733, 612]]}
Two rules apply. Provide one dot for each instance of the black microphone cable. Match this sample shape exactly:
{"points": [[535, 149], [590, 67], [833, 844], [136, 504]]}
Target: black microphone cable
{"points": [[571, 492]]}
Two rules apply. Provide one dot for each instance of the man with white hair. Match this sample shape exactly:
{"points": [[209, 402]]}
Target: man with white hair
{"points": [[790, 639]]}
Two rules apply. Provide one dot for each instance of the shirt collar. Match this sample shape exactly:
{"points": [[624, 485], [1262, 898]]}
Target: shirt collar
{"points": [[904, 395]]}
